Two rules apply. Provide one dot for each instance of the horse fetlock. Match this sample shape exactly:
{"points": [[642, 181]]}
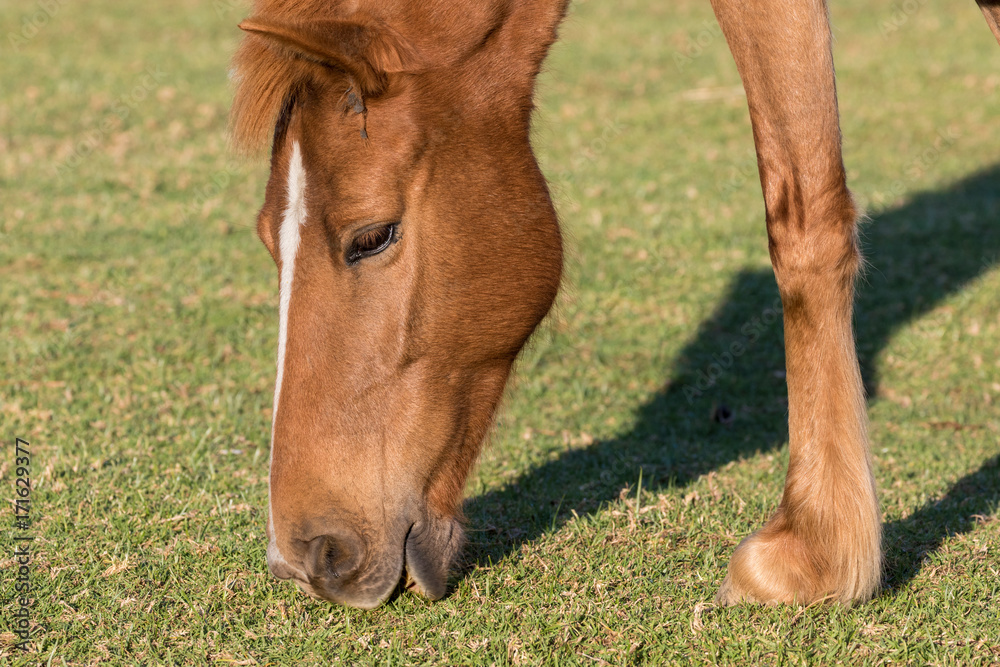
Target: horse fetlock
{"points": [[770, 566], [783, 564]]}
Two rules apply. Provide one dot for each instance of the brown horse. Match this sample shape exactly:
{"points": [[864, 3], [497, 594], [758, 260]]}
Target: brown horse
{"points": [[418, 248]]}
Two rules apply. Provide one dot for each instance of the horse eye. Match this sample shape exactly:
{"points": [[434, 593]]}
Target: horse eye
{"points": [[371, 242]]}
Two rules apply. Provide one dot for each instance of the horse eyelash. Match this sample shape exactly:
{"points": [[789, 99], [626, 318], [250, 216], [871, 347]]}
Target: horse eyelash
{"points": [[355, 255]]}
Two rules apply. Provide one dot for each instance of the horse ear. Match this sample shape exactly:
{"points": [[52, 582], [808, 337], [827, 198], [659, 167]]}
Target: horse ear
{"points": [[526, 35], [366, 51]]}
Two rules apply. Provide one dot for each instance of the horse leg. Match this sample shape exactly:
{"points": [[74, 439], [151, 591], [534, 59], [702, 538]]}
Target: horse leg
{"points": [[824, 540], [991, 10]]}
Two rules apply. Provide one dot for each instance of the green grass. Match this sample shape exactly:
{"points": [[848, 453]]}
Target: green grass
{"points": [[139, 327]]}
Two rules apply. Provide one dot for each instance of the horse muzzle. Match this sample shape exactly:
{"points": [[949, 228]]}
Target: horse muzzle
{"points": [[342, 567]]}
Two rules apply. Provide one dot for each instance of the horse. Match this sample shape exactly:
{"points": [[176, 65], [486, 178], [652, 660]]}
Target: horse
{"points": [[418, 248]]}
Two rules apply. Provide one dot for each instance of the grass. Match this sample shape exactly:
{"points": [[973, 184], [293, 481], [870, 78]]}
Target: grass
{"points": [[139, 332]]}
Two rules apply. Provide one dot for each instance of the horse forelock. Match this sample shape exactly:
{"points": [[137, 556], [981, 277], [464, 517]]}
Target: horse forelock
{"points": [[443, 33], [264, 81]]}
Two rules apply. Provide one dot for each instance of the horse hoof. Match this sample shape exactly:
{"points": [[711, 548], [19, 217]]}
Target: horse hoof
{"points": [[777, 566]]}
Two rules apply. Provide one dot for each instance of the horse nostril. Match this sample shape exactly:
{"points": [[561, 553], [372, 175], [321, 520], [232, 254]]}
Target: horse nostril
{"points": [[333, 559], [431, 548]]}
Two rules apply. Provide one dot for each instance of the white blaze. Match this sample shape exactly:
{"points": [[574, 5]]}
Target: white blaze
{"points": [[288, 246]]}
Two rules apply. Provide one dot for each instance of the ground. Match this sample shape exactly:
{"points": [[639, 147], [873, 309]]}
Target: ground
{"points": [[634, 450]]}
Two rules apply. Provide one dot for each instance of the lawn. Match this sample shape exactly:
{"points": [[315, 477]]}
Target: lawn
{"points": [[140, 322]]}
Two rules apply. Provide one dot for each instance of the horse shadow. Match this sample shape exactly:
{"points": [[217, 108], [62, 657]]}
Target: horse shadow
{"points": [[724, 397]]}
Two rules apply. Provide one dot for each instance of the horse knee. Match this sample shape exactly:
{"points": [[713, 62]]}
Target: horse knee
{"points": [[814, 248]]}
